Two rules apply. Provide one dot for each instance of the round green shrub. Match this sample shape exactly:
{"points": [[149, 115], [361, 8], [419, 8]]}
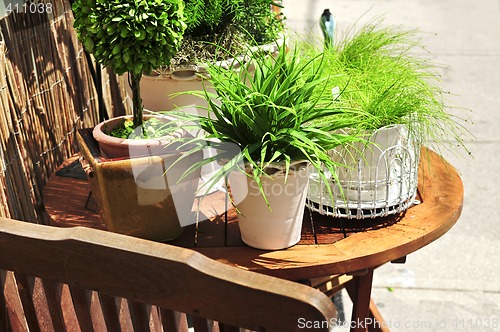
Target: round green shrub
{"points": [[130, 36]]}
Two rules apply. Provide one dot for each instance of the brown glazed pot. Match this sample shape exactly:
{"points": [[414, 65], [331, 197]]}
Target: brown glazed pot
{"points": [[138, 196]]}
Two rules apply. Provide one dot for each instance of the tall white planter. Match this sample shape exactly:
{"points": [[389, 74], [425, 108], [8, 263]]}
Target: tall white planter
{"points": [[158, 94], [281, 226], [379, 178]]}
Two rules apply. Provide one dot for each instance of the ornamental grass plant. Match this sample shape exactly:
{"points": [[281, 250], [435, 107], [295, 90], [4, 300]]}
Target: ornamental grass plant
{"points": [[382, 71], [266, 112]]}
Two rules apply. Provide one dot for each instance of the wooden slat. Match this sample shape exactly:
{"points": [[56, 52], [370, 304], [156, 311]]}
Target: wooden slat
{"points": [[173, 320], [25, 289], [139, 314], [110, 312], [53, 293], [4, 315], [202, 324], [155, 320], [81, 302], [11, 310], [96, 312], [68, 309]]}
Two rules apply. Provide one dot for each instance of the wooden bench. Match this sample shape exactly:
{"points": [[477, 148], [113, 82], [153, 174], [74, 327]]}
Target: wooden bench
{"points": [[82, 279]]}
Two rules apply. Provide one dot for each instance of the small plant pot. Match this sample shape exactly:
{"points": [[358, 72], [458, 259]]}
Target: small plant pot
{"points": [[379, 178], [280, 227], [114, 147], [138, 196]]}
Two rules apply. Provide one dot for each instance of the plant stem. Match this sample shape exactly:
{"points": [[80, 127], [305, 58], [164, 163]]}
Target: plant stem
{"points": [[136, 98]]}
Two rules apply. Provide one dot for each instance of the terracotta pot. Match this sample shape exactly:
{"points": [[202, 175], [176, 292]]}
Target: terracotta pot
{"points": [[113, 147]]}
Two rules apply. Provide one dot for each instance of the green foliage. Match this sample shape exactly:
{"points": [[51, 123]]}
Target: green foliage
{"points": [[130, 36], [269, 114], [227, 24], [380, 72], [152, 128], [212, 17], [208, 16], [133, 36], [255, 18]]}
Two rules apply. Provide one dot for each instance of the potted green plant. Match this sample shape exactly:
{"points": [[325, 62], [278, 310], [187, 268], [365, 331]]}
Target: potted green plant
{"points": [[262, 122], [212, 26], [135, 194], [379, 71], [129, 36], [216, 30]]}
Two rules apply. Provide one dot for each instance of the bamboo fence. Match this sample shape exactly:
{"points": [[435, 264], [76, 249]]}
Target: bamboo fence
{"points": [[47, 93]]}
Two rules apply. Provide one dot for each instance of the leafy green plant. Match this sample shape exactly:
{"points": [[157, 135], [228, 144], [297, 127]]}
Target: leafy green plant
{"points": [[379, 71], [228, 24], [133, 36], [268, 112]]}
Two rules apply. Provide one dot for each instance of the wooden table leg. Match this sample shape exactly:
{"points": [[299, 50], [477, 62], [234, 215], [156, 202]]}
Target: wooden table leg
{"points": [[359, 290], [365, 314]]}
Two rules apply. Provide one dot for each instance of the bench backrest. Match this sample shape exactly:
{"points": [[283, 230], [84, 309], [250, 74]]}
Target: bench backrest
{"points": [[82, 279]]}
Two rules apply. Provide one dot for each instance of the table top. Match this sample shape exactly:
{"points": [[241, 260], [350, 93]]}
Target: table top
{"points": [[323, 249]]}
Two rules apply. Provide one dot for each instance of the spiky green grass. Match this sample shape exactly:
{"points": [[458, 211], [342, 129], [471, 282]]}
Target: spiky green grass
{"points": [[381, 71], [270, 112]]}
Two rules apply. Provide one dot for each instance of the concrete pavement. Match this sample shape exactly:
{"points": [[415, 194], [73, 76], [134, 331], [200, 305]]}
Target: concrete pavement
{"points": [[452, 284]]}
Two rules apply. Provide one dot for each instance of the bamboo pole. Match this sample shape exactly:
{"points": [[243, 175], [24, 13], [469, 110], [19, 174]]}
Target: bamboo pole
{"points": [[46, 95]]}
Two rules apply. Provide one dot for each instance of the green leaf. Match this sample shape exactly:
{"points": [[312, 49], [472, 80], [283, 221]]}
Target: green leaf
{"points": [[124, 33], [142, 35], [116, 49], [126, 57], [138, 68], [89, 44]]}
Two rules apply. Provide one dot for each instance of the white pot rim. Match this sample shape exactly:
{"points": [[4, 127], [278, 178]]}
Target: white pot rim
{"points": [[194, 72]]}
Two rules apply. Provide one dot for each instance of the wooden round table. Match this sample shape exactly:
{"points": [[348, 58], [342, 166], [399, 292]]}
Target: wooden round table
{"points": [[323, 250]]}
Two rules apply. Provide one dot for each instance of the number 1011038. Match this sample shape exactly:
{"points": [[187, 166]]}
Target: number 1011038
{"points": [[29, 7]]}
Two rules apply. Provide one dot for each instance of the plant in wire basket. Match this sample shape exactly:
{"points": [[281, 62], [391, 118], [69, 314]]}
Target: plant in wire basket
{"points": [[381, 71]]}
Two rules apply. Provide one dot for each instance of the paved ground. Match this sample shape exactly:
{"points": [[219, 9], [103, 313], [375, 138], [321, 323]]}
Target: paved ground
{"points": [[454, 283]]}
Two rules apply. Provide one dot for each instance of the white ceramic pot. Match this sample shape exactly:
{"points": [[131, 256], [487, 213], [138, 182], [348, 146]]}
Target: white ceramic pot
{"points": [[380, 178], [281, 226]]}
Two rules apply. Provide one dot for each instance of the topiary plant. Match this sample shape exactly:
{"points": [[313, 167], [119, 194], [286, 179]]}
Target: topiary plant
{"points": [[133, 36]]}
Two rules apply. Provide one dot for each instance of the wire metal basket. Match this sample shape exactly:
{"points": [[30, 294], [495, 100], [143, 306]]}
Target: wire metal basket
{"points": [[379, 178]]}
